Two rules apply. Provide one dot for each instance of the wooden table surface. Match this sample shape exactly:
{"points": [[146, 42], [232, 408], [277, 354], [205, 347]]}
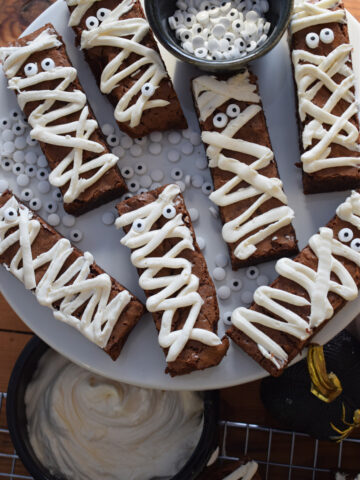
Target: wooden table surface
{"points": [[239, 403]]}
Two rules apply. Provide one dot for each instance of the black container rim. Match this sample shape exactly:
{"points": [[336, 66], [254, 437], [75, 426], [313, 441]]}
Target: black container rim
{"points": [[30, 357]]}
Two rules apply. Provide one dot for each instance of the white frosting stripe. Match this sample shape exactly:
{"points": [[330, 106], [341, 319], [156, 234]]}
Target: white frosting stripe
{"points": [[317, 283], [210, 94], [314, 72], [73, 288], [74, 135], [179, 290], [306, 14], [126, 36], [245, 472]]}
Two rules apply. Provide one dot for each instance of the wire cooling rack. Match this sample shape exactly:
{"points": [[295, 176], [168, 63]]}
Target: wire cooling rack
{"points": [[237, 439]]}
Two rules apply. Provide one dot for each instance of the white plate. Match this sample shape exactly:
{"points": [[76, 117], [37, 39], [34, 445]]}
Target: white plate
{"points": [[142, 361]]}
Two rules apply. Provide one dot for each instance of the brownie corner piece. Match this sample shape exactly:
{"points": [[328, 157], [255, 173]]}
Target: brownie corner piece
{"points": [[113, 311], [138, 85], [184, 307], [48, 90]]}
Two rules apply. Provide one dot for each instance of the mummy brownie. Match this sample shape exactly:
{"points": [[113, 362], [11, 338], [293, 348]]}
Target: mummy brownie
{"points": [[120, 49], [65, 279], [48, 90], [244, 469], [174, 275], [307, 294], [248, 191], [327, 108]]}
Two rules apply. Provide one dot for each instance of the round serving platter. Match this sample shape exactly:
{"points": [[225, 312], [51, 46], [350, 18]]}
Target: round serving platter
{"points": [[167, 158]]}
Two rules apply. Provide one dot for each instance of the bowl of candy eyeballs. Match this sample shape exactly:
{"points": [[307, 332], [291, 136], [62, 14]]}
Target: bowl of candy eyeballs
{"points": [[218, 35]]}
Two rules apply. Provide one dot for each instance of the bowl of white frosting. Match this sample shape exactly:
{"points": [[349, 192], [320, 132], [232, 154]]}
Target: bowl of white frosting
{"points": [[69, 423]]}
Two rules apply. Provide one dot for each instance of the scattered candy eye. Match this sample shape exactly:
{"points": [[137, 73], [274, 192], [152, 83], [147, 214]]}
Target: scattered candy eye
{"points": [[10, 214], [226, 318], [30, 69], [312, 40], [4, 123], [14, 114], [35, 204], [26, 195], [133, 186], [327, 35], [207, 188], [148, 90], [102, 13], [138, 226], [18, 168], [233, 110], [127, 172], [236, 285], [140, 168], [169, 211], [42, 174], [30, 171], [18, 129], [176, 174], [113, 140], [345, 235], [252, 273], [48, 64], [91, 23], [76, 235], [219, 274], [355, 244], [220, 120], [51, 207]]}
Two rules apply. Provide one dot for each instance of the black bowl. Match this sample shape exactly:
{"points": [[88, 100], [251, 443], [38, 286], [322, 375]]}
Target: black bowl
{"points": [[158, 12], [22, 374]]}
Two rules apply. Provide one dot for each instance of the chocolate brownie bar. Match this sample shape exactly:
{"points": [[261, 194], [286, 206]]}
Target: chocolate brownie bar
{"points": [[174, 275], [252, 204], [231, 470], [310, 290], [123, 55], [327, 108], [49, 93], [65, 279]]}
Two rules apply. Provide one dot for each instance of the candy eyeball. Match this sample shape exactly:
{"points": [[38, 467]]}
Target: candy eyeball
{"points": [[233, 110], [327, 35], [220, 120], [138, 226], [10, 214], [355, 244], [345, 235], [31, 69], [312, 40], [91, 23], [169, 212], [48, 64], [102, 13], [148, 89]]}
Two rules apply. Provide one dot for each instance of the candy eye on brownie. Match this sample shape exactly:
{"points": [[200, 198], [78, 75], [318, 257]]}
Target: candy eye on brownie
{"points": [[30, 69], [312, 40], [345, 235], [327, 35], [169, 211], [91, 23], [48, 64], [102, 13], [138, 226], [233, 110], [355, 244], [10, 214], [220, 120]]}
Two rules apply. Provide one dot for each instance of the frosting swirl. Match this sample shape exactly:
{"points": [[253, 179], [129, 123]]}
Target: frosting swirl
{"points": [[84, 426]]}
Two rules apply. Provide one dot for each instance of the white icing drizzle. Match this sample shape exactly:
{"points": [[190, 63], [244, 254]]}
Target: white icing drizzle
{"points": [[99, 316], [306, 14], [245, 472], [317, 284], [314, 72], [211, 93], [125, 35], [74, 135], [176, 291]]}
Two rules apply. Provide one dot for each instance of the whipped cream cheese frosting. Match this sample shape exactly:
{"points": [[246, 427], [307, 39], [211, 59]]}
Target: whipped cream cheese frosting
{"points": [[86, 427]]}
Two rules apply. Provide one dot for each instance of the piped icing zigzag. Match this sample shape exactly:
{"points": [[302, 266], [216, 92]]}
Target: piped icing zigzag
{"points": [[176, 291], [108, 29], [70, 287], [247, 229], [72, 170]]}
